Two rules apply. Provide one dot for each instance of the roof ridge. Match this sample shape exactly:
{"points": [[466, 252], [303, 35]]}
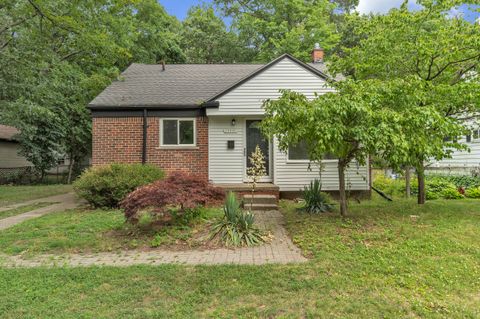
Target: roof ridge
{"points": [[153, 64]]}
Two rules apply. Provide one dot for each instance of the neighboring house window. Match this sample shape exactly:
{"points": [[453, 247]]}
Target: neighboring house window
{"points": [[476, 134], [468, 138], [299, 153], [177, 132]]}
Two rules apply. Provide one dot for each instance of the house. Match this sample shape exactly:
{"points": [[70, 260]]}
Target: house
{"points": [[9, 147], [204, 119], [15, 168]]}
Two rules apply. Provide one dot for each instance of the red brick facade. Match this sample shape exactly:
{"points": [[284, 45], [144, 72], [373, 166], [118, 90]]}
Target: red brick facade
{"points": [[119, 140]]}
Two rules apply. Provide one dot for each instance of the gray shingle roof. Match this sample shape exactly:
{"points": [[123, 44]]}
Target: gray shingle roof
{"points": [[179, 84], [143, 85]]}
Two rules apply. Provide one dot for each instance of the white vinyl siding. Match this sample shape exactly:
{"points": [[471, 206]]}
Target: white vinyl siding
{"points": [[225, 166], [247, 99], [462, 159]]}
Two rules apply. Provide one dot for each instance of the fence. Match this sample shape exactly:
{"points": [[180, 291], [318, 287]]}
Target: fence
{"points": [[28, 175]]}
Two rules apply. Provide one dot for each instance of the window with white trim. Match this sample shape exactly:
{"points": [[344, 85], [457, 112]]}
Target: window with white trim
{"points": [[177, 132], [476, 135], [299, 152]]}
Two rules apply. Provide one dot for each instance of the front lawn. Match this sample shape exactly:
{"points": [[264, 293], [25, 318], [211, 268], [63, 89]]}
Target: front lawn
{"points": [[100, 230], [386, 260], [17, 194]]}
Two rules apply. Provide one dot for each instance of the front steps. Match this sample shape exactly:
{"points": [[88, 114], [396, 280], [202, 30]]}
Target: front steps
{"points": [[260, 202]]}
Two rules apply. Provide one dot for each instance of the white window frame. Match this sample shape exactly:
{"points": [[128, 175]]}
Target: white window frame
{"points": [[179, 119]]}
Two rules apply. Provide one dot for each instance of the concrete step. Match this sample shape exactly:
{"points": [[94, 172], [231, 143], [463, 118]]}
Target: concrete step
{"points": [[261, 207], [260, 199]]}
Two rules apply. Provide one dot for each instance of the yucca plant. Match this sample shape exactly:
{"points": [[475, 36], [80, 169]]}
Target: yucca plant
{"points": [[236, 227], [316, 201]]}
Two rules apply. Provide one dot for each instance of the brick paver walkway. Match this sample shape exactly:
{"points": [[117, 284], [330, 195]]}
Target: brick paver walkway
{"points": [[63, 202], [280, 250]]}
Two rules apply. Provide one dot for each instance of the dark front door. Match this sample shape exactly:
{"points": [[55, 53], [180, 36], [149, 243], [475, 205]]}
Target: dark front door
{"points": [[254, 138]]}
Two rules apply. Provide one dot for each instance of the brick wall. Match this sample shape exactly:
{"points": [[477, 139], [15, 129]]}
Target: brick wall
{"points": [[119, 140]]}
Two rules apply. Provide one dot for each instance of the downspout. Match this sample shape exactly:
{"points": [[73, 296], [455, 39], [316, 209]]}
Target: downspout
{"points": [[144, 145]]}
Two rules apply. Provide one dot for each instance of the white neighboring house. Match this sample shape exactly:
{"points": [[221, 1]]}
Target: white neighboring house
{"points": [[462, 162]]}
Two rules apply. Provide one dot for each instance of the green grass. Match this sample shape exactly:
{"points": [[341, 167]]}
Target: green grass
{"points": [[95, 231], [22, 209], [17, 194], [378, 263]]}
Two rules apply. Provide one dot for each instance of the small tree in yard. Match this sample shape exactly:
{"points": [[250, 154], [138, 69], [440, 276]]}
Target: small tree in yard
{"points": [[345, 124], [257, 170]]}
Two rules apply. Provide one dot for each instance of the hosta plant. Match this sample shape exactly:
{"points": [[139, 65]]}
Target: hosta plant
{"points": [[473, 192], [236, 228], [316, 201]]}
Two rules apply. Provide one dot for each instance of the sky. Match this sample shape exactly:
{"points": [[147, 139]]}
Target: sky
{"points": [[179, 8]]}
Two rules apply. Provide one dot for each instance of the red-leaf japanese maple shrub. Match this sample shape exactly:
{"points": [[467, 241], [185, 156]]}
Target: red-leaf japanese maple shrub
{"points": [[178, 192]]}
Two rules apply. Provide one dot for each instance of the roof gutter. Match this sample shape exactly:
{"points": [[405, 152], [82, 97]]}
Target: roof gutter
{"points": [[207, 104], [210, 104]]}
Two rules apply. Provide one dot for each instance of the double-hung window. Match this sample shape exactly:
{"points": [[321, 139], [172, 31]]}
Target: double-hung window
{"points": [[177, 132], [299, 152]]}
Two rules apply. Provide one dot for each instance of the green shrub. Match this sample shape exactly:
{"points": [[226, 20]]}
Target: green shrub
{"points": [[390, 186], [316, 201], [107, 185], [473, 192], [430, 195], [451, 193], [438, 185], [465, 181], [441, 188], [236, 228]]}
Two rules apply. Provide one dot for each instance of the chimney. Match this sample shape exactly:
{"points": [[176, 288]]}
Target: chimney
{"points": [[317, 54]]}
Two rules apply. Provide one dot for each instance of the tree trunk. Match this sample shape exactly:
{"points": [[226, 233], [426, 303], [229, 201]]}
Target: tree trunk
{"points": [[70, 170], [408, 189], [42, 175], [341, 182], [421, 185]]}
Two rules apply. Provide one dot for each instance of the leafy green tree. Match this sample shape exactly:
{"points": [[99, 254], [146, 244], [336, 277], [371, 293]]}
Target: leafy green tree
{"points": [[56, 56], [346, 6], [41, 135], [157, 34], [205, 39], [273, 27], [347, 124], [436, 56]]}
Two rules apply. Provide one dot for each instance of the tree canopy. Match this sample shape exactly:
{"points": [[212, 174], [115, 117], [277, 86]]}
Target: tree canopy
{"points": [[436, 56], [273, 27], [55, 56], [206, 39]]}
